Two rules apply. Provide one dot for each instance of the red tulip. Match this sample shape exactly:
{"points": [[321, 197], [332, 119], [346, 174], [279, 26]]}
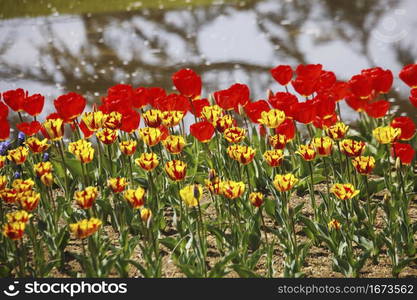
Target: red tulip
{"points": [[198, 105], [254, 110], [173, 102], [326, 80], [188, 83], [325, 105], [86, 132], [409, 75], [119, 98], [130, 121], [283, 101], [202, 131], [15, 99], [286, 128], [4, 111], [231, 98], [141, 97], [356, 103], [381, 79], [361, 86], [70, 106], [304, 87], [305, 112], [4, 129], [340, 90], [413, 97], [404, 151], [325, 122], [153, 93], [408, 128], [377, 109], [282, 74], [309, 72], [29, 129], [33, 105]]}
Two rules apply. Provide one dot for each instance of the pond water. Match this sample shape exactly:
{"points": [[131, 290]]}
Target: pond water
{"points": [[49, 47]]}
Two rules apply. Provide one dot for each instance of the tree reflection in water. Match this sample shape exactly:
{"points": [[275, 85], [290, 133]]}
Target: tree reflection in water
{"points": [[146, 46]]}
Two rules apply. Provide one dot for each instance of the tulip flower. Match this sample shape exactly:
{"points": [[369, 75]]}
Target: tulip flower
{"points": [[33, 105], [364, 164], [8, 195], [15, 99], [176, 169], [29, 200], [191, 194], [85, 228], [334, 224], [202, 131], [305, 112], [171, 118], [47, 179], [18, 216], [29, 129], [278, 141], [307, 152], [224, 123], [232, 189], [42, 168], [136, 198], [408, 75], [152, 118], [387, 134], [286, 128], [212, 113], [256, 199], [273, 157], [150, 136], [282, 74], [361, 86], [86, 198], [70, 106], [254, 110], [381, 79], [404, 152], [407, 126], [198, 105], [14, 230], [323, 145], [128, 147], [242, 154], [53, 129], [344, 191], [174, 143], [118, 184], [337, 131], [283, 101], [284, 182], [234, 134], [93, 120], [272, 118], [231, 98], [352, 148], [18, 155], [37, 146], [107, 136], [22, 186], [112, 120], [173, 102], [147, 161], [377, 109], [145, 214], [188, 83]]}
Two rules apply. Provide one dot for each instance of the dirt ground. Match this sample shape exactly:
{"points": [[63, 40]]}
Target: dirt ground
{"points": [[318, 262]]}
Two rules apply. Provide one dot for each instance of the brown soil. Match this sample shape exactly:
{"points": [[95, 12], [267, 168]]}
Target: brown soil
{"points": [[318, 262]]}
